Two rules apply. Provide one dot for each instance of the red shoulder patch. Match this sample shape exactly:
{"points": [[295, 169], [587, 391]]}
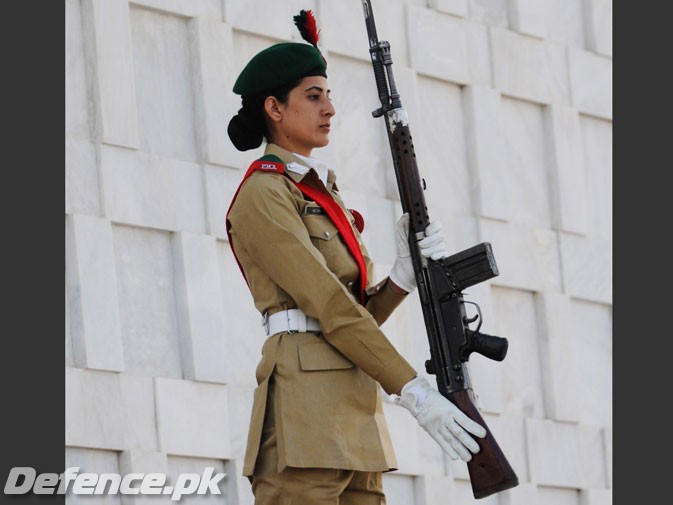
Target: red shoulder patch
{"points": [[267, 166]]}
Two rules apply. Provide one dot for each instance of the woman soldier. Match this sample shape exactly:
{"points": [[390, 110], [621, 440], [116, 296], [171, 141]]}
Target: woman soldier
{"points": [[317, 432]]}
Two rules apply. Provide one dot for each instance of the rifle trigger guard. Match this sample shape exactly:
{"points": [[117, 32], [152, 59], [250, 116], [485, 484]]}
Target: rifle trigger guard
{"points": [[467, 320]]}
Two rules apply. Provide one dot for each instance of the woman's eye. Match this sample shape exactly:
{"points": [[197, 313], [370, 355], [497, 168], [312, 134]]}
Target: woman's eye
{"points": [[314, 97]]}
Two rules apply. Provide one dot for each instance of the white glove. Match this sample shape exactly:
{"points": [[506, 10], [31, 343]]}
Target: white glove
{"points": [[445, 422], [432, 246]]}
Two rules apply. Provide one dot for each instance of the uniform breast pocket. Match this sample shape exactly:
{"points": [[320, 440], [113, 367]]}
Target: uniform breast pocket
{"points": [[320, 228]]}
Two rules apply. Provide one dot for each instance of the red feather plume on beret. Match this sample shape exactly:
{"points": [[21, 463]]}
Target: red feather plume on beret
{"points": [[307, 26]]}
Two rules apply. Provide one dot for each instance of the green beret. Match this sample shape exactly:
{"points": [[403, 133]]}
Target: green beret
{"points": [[277, 66]]}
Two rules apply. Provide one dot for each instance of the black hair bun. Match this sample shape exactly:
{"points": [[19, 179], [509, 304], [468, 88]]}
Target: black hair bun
{"points": [[244, 131]]}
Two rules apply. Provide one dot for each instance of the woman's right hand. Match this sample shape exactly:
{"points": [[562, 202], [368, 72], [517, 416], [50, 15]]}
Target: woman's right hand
{"points": [[445, 422]]}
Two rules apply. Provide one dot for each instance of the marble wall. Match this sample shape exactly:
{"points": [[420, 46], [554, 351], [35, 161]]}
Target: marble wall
{"points": [[510, 105]]}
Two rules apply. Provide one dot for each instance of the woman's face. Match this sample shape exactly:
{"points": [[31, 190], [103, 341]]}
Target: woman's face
{"points": [[303, 122]]}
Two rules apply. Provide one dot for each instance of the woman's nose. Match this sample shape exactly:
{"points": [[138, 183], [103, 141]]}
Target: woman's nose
{"points": [[329, 109]]}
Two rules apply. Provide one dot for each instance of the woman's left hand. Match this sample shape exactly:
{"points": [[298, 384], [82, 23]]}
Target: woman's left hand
{"points": [[431, 246]]}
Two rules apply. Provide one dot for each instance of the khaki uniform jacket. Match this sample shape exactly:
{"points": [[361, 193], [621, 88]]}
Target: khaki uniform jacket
{"points": [[328, 405]]}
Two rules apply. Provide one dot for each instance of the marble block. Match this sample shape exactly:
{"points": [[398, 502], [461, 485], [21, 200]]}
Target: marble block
{"points": [[108, 31], [193, 469], [94, 410], [243, 330], [554, 451], [529, 17], [144, 462], [215, 73], [399, 489], [489, 12], [148, 190], [520, 65], [164, 67], [343, 30], [463, 495], [432, 489], [597, 142], [404, 433], [528, 258], [92, 461], [92, 293], [276, 21], [485, 139], [437, 45], [82, 189], [595, 497], [526, 164], [561, 376], [591, 82], [517, 320], [566, 23], [598, 18], [140, 419], [77, 85], [568, 175], [188, 9], [525, 493], [593, 466], [192, 418], [455, 7], [592, 336], [587, 267], [146, 280], [479, 54], [221, 185], [202, 336], [559, 80], [557, 496]]}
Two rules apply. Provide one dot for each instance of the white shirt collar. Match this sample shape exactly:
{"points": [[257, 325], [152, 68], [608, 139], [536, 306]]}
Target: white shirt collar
{"points": [[319, 166]]}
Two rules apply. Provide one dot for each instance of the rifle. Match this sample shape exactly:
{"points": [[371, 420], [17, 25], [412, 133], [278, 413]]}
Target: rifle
{"points": [[441, 282]]}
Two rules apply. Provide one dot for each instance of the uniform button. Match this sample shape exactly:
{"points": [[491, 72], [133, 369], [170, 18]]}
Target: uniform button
{"points": [[350, 284], [326, 234]]}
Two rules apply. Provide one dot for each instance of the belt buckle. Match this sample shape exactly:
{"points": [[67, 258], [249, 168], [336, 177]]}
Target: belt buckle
{"points": [[289, 324]]}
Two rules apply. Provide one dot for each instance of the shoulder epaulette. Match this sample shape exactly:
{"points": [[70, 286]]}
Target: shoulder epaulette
{"points": [[268, 163]]}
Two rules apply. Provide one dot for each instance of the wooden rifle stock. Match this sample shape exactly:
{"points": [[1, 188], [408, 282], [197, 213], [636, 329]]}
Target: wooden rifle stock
{"points": [[440, 282], [489, 470]]}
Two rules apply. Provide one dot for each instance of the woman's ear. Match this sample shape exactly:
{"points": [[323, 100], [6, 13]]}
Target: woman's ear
{"points": [[272, 108]]}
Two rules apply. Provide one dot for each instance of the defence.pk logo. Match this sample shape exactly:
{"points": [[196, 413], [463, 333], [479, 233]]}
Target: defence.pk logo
{"points": [[24, 479]]}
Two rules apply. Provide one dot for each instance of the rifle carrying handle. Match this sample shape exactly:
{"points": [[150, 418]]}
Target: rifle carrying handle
{"points": [[490, 472]]}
